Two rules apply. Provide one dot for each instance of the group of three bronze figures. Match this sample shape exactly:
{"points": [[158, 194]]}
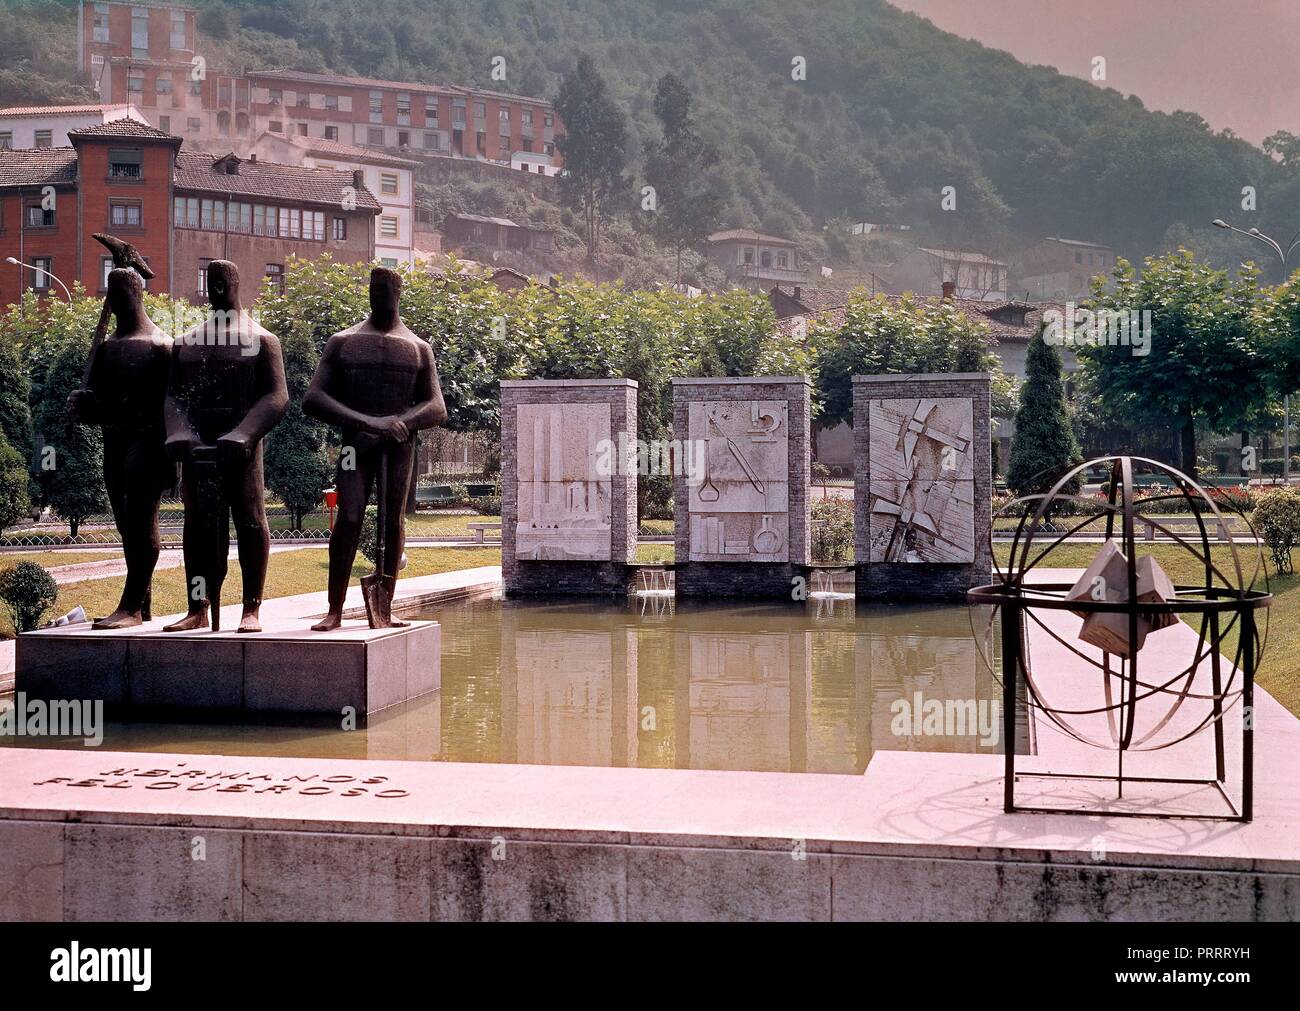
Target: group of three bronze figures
{"points": [[207, 399]]}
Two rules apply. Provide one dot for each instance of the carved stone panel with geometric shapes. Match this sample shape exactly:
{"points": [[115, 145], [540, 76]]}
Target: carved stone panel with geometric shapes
{"points": [[564, 501], [739, 500], [921, 485]]}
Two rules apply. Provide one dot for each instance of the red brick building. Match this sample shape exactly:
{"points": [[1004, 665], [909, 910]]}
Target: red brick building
{"points": [[146, 54], [180, 209]]}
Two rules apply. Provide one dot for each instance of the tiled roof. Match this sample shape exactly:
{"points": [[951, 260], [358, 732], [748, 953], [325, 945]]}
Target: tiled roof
{"points": [[197, 172], [976, 310], [336, 149], [59, 110], [125, 129], [812, 299], [747, 235], [483, 219], [47, 166]]}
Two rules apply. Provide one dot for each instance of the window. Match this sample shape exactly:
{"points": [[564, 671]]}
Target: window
{"points": [[202, 287], [40, 217], [41, 268], [548, 148], [548, 121], [165, 124], [431, 111], [135, 82], [388, 182], [749, 256], [6, 140], [212, 216], [101, 23], [302, 129], [526, 117], [782, 258], [194, 124], [125, 215], [433, 142], [275, 126], [458, 113], [225, 93], [766, 258], [376, 106], [503, 114], [163, 85], [388, 228], [125, 163], [332, 103], [239, 217], [340, 229], [196, 89], [1078, 258], [178, 30], [389, 262], [304, 100], [375, 136], [290, 223], [503, 143], [275, 272], [403, 138], [185, 212], [403, 109], [139, 33], [44, 138], [480, 111], [276, 96], [331, 133], [264, 220]]}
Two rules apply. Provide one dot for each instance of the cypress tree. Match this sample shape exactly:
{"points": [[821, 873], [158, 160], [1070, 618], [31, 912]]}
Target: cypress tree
{"points": [[1044, 445]]}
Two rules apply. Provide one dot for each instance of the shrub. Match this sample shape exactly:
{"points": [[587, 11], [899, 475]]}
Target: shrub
{"points": [[27, 591], [486, 505], [369, 542], [832, 530], [1276, 519]]}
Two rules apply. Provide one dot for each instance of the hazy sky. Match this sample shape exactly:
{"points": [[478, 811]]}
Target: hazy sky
{"points": [[1232, 61]]}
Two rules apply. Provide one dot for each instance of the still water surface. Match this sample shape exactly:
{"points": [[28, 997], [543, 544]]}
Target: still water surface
{"points": [[655, 684]]}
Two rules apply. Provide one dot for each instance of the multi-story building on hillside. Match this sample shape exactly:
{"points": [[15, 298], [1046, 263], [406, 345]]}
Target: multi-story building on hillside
{"points": [[151, 56], [1059, 269], [754, 260], [180, 209]]}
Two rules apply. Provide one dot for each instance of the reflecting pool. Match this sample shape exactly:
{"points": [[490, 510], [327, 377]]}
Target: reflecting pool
{"points": [[660, 684]]}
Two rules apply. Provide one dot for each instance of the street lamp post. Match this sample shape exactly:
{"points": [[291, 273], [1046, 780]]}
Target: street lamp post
{"points": [[1276, 246], [40, 270]]}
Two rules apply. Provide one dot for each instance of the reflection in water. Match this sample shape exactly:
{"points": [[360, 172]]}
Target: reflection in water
{"points": [[758, 686]]}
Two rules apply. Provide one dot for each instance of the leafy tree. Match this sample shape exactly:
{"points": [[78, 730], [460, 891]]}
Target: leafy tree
{"points": [[297, 464], [69, 455], [1203, 362], [681, 167], [594, 146], [881, 335], [1044, 445], [14, 501]]}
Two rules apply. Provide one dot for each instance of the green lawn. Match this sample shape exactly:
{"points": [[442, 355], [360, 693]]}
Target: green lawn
{"points": [[51, 559], [1280, 671]]}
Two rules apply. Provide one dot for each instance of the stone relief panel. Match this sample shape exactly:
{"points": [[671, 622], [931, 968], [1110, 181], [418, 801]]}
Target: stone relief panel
{"points": [[739, 500], [564, 502], [922, 488]]}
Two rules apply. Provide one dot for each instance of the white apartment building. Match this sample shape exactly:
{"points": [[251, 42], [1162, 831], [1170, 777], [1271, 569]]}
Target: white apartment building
{"points": [[390, 179], [40, 126]]}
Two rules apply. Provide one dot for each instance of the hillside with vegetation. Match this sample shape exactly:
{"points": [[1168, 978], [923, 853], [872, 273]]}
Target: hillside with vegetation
{"points": [[891, 110]]}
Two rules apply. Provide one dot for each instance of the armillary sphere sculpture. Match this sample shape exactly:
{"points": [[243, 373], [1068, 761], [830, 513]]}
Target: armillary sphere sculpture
{"points": [[1131, 678]]}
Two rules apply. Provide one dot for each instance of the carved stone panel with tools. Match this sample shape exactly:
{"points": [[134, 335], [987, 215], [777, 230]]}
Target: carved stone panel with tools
{"points": [[739, 498]]}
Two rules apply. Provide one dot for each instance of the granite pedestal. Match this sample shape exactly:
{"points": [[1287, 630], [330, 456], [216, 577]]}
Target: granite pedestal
{"points": [[286, 668]]}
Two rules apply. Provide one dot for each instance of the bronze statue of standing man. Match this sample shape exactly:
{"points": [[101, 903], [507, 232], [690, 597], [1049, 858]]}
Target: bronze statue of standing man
{"points": [[379, 383], [227, 390], [126, 384]]}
